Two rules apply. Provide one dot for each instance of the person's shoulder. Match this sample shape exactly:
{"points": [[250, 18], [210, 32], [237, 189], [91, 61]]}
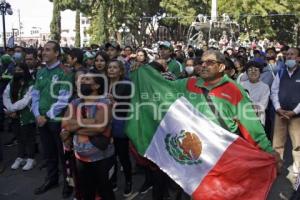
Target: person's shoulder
{"points": [[101, 102], [174, 62], [74, 101], [40, 72], [243, 77], [120, 58], [64, 69], [263, 85], [64, 73], [266, 73], [125, 83], [234, 87], [123, 87], [244, 83]]}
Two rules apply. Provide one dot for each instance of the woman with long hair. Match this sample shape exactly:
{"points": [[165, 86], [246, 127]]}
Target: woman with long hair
{"points": [[17, 99], [101, 61], [141, 58], [120, 93], [88, 118]]}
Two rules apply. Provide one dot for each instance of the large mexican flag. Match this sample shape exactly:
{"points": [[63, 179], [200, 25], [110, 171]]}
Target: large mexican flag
{"points": [[207, 161]]}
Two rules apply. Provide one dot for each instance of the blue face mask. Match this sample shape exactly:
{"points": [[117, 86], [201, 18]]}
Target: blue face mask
{"points": [[17, 56], [290, 63]]}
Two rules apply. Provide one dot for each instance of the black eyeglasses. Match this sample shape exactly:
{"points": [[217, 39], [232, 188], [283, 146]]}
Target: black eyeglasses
{"points": [[209, 62]]}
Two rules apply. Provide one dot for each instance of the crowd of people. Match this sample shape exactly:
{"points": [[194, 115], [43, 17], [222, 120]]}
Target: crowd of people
{"points": [[77, 101]]}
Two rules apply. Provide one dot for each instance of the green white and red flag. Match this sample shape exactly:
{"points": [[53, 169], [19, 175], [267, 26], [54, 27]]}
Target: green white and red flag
{"points": [[207, 161]]}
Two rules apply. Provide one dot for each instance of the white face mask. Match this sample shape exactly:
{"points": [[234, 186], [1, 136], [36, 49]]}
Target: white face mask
{"points": [[189, 70], [290, 63]]}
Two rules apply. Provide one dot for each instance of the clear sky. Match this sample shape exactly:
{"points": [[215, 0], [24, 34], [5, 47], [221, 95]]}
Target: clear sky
{"points": [[35, 13]]}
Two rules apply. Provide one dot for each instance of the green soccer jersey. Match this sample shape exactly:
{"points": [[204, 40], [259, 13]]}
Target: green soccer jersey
{"points": [[51, 92]]}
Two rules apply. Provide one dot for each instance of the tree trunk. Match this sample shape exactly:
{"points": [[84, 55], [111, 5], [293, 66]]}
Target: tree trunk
{"points": [[55, 27], [103, 20], [77, 29]]}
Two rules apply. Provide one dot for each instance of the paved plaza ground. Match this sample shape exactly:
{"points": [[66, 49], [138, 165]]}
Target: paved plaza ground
{"points": [[19, 185]]}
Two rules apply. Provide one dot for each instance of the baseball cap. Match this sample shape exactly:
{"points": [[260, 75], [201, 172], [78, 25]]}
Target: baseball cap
{"points": [[113, 44], [6, 59], [166, 44], [88, 55]]}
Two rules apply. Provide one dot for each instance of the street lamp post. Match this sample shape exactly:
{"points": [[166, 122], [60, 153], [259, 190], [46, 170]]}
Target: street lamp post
{"points": [[5, 8], [13, 33]]}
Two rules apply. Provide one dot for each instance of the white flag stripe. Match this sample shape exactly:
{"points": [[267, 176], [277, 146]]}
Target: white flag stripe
{"points": [[215, 140]]}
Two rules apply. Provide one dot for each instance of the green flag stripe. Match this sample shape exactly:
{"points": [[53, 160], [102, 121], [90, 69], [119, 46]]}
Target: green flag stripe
{"points": [[153, 96]]}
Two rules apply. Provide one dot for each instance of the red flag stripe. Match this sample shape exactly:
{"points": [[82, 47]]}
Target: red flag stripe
{"points": [[242, 173]]}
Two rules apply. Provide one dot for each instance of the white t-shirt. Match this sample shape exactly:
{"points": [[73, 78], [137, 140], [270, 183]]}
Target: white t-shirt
{"points": [[259, 94]]}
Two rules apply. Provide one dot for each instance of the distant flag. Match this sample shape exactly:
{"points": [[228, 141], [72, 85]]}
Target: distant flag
{"points": [[11, 42]]}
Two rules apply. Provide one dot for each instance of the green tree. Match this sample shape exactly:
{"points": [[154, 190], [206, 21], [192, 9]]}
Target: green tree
{"points": [[181, 13], [131, 13], [185, 10], [104, 21], [108, 16], [259, 17], [80, 6], [55, 26]]}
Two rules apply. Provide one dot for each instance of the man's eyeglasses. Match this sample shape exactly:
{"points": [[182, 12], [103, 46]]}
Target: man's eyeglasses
{"points": [[209, 62]]}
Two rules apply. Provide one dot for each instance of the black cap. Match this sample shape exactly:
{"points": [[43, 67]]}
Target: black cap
{"points": [[113, 44]]}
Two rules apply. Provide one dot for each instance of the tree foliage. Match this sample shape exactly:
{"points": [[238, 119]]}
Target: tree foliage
{"points": [[80, 6], [55, 26], [254, 17], [108, 16], [264, 18], [185, 11], [181, 13]]}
